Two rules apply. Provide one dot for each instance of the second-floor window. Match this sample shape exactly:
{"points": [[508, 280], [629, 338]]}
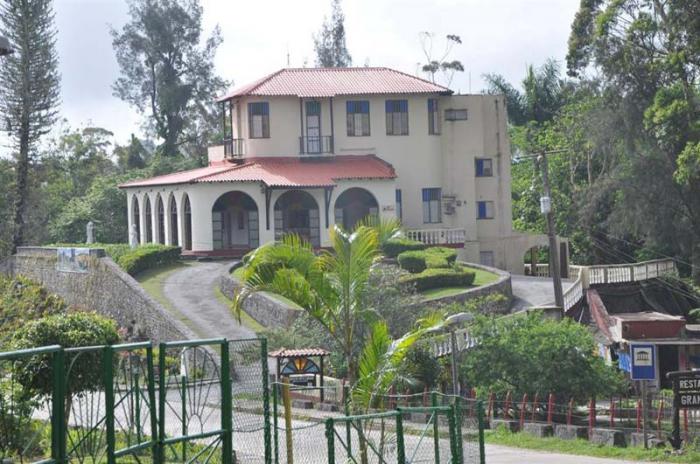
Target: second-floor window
{"points": [[399, 206], [432, 210], [433, 117], [397, 117], [357, 118], [259, 120], [484, 210], [484, 167]]}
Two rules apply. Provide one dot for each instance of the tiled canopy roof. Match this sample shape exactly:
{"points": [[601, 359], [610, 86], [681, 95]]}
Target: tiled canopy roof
{"points": [[298, 353], [329, 82], [281, 172]]}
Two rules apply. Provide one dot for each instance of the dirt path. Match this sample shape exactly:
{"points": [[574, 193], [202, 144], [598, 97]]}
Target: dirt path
{"points": [[192, 293]]}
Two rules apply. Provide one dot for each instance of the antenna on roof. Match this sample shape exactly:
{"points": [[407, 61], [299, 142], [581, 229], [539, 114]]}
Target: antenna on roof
{"points": [[288, 64]]}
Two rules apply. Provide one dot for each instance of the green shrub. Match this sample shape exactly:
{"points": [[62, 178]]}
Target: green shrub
{"points": [[448, 254], [22, 300], [413, 261], [148, 256], [439, 278], [395, 246]]}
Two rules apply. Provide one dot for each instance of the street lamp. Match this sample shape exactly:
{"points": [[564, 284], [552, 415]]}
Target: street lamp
{"points": [[5, 48], [452, 323]]}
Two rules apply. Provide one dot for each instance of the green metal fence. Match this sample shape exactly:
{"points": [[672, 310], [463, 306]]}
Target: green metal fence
{"points": [[445, 430], [134, 403]]}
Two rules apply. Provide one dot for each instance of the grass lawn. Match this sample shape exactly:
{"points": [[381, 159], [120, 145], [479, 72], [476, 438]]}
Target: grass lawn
{"points": [[481, 278], [246, 320], [152, 281], [584, 448]]}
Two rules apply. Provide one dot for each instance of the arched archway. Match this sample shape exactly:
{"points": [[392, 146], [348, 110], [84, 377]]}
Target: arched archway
{"points": [[353, 205], [160, 231], [187, 226], [136, 218], [148, 223], [296, 212], [174, 233], [235, 221]]}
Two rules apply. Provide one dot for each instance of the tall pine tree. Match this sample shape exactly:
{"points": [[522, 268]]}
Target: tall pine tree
{"points": [[30, 90], [329, 43]]}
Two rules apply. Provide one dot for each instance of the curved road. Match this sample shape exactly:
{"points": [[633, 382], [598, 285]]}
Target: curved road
{"points": [[533, 291], [192, 292]]}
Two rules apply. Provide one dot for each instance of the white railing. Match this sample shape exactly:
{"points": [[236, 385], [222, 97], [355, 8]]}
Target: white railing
{"points": [[635, 272], [573, 294], [438, 236], [541, 270]]}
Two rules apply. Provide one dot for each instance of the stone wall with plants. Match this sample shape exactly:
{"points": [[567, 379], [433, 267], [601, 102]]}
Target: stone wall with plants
{"points": [[104, 288], [266, 310]]}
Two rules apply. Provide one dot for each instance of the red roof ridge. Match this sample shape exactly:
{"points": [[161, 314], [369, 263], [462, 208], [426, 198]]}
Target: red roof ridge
{"points": [[250, 87]]}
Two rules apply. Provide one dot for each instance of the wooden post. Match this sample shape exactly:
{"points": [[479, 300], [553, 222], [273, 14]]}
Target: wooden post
{"points": [[550, 408], [570, 412], [287, 419], [639, 415], [591, 416], [323, 397], [534, 406], [612, 412], [522, 410], [506, 407]]}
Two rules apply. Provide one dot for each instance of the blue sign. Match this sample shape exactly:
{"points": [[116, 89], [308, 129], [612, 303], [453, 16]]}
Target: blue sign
{"points": [[643, 361]]}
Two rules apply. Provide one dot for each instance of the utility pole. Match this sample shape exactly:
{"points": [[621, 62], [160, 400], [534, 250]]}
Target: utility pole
{"points": [[546, 208]]}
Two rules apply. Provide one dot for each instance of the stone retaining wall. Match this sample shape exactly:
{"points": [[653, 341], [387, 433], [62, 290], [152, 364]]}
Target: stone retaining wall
{"points": [[104, 288], [264, 309]]}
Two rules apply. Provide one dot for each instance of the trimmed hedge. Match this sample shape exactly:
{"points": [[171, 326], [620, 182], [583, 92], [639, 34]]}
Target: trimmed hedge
{"points": [[395, 246], [430, 258], [439, 278], [134, 260], [148, 256], [413, 261]]}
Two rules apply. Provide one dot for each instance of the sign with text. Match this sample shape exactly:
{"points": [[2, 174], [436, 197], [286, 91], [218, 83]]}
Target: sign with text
{"points": [[72, 259], [643, 357], [688, 390]]}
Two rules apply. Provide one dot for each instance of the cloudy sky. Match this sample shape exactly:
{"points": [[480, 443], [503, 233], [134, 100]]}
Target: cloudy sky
{"points": [[501, 36]]}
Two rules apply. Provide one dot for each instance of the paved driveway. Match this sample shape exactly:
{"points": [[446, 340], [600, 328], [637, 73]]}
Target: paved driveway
{"points": [[533, 291], [192, 292]]}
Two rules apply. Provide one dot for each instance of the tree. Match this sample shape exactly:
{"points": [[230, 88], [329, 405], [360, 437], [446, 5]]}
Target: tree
{"points": [[534, 354], [132, 156], [75, 329], [166, 74], [330, 287], [648, 53], [29, 94], [435, 63], [329, 43]]}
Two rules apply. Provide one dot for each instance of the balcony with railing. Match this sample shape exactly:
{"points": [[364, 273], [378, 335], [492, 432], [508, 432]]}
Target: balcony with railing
{"points": [[234, 148], [316, 146], [454, 237]]}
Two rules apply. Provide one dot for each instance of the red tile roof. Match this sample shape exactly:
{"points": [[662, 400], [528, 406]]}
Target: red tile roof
{"points": [[281, 171], [329, 82], [298, 353]]}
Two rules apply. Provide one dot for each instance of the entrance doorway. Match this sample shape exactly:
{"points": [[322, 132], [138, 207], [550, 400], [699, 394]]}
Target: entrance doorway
{"points": [[235, 222], [354, 205]]}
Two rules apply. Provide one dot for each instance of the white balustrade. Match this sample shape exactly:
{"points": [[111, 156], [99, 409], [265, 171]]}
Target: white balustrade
{"points": [[438, 236]]}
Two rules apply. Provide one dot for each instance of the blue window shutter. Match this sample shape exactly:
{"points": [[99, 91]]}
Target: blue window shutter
{"points": [[479, 167], [403, 106], [349, 107], [482, 209], [426, 194], [398, 195], [387, 106], [364, 107]]}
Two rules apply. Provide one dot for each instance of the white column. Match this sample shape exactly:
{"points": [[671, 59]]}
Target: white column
{"points": [[142, 218], [154, 219], [168, 240]]}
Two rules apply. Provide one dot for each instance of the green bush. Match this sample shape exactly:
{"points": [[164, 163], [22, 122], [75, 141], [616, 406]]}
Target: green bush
{"points": [[22, 300], [395, 246], [418, 260], [413, 261], [148, 256], [448, 254], [439, 278]]}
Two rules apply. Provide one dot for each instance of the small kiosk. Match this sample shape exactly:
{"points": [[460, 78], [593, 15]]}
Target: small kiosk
{"points": [[300, 367]]}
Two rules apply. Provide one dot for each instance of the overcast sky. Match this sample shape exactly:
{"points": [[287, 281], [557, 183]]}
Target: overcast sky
{"points": [[500, 36]]}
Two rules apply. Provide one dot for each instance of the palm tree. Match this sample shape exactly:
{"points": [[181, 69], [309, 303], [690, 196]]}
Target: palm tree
{"points": [[329, 286]]}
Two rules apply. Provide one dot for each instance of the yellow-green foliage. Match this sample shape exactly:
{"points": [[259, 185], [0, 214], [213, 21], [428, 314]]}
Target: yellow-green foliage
{"points": [[395, 246], [431, 258], [21, 300]]}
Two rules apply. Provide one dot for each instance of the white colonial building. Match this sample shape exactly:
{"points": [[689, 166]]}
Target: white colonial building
{"points": [[308, 148]]}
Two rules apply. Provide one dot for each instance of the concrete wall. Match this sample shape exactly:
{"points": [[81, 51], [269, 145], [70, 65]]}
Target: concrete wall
{"points": [[105, 288], [264, 309]]}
